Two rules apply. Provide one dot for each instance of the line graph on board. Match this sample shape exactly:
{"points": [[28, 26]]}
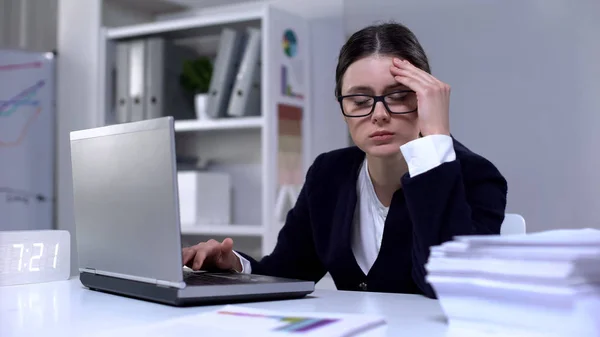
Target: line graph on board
{"points": [[19, 112], [27, 131], [17, 66]]}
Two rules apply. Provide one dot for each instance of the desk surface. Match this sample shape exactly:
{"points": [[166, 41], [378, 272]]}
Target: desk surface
{"points": [[67, 309]]}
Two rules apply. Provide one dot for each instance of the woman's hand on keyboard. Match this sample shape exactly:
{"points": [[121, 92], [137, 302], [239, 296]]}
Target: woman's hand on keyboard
{"points": [[211, 255]]}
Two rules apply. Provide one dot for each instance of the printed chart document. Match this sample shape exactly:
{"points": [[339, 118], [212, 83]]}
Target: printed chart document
{"points": [[237, 321]]}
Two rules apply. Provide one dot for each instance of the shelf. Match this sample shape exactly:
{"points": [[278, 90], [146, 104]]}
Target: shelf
{"points": [[244, 147], [233, 230], [291, 101], [192, 26], [219, 124]]}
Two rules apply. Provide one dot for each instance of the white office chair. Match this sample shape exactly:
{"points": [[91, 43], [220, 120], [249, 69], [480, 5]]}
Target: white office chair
{"points": [[513, 224]]}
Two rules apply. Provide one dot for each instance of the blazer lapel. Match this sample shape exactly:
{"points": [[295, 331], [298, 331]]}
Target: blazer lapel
{"points": [[343, 220]]}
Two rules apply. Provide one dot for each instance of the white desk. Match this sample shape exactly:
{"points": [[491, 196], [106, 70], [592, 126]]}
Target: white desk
{"points": [[67, 309]]}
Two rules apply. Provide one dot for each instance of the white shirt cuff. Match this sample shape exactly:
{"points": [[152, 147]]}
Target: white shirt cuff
{"points": [[426, 153], [246, 266]]}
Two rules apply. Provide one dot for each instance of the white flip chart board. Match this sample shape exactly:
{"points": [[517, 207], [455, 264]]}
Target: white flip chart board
{"points": [[27, 140]]}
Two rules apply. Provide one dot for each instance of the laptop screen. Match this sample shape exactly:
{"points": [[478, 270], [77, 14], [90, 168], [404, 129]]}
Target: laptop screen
{"points": [[125, 200]]}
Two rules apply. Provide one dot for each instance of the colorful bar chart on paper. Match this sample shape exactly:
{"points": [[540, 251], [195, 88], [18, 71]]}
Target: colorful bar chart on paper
{"points": [[293, 324]]}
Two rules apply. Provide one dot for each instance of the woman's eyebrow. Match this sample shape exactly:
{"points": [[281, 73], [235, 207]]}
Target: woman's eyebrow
{"points": [[368, 89], [359, 88], [396, 86]]}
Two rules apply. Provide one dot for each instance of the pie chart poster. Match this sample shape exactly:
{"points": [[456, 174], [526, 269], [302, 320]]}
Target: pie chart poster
{"points": [[27, 144]]}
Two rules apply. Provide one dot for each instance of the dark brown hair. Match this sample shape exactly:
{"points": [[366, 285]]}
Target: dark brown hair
{"points": [[391, 39]]}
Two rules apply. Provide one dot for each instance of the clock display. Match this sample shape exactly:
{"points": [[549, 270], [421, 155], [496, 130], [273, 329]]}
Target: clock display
{"points": [[34, 256], [31, 258]]}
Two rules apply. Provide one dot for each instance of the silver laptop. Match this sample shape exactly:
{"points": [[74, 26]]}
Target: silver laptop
{"points": [[127, 222]]}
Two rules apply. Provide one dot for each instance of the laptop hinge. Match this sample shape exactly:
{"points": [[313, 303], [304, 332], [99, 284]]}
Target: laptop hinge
{"points": [[87, 270]]}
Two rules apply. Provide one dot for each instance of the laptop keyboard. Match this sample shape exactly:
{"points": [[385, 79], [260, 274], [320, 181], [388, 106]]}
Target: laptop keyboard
{"points": [[205, 278]]}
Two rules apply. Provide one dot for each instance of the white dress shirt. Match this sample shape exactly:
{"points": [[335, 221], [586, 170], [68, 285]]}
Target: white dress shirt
{"points": [[421, 155]]}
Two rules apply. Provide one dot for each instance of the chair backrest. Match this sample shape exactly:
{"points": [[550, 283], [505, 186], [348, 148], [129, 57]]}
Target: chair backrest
{"points": [[513, 224]]}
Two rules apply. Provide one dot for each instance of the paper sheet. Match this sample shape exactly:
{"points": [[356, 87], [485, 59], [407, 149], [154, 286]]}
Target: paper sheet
{"points": [[243, 321], [584, 236]]}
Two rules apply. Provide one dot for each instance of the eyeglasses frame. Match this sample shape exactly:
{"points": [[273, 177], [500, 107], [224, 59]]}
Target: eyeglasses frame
{"points": [[376, 98]]}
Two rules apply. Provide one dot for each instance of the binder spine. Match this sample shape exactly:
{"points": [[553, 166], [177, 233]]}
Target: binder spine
{"points": [[225, 69], [122, 101], [155, 81], [245, 96], [136, 79]]}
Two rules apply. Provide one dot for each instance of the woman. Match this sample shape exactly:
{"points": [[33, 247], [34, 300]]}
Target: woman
{"points": [[369, 214]]}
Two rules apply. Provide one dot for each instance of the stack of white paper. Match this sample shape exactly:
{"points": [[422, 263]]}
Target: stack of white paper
{"points": [[542, 284]]}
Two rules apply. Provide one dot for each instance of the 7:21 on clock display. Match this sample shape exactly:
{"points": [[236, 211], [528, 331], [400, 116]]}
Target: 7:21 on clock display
{"points": [[33, 257]]}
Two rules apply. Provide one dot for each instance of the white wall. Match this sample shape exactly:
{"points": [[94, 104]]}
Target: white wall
{"points": [[28, 24], [328, 128], [525, 93]]}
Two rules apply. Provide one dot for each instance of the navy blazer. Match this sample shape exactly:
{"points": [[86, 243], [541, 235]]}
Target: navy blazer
{"points": [[465, 196]]}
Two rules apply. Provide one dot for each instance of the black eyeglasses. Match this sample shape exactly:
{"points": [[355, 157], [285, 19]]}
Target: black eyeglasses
{"points": [[361, 105]]}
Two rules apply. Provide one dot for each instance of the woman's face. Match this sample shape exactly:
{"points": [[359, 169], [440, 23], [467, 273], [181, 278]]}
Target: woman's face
{"points": [[379, 134]]}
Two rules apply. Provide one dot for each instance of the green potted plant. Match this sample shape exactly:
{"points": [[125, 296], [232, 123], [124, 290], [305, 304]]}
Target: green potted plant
{"points": [[195, 78]]}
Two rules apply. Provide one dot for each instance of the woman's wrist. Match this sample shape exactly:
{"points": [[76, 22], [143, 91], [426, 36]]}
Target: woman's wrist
{"points": [[435, 130]]}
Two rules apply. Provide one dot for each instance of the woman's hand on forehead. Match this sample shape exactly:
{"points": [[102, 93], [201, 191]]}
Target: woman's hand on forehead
{"points": [[433, 97]]}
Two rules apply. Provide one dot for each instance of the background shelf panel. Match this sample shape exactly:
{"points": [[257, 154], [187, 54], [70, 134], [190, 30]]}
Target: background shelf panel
{"points": [[233, 230], [219, 124], [193, 26]]}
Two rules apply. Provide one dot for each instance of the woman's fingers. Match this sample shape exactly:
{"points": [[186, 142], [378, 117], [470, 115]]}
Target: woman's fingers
{"points": [[199, 260], [210, 254], [405, 71], [405, 67], [188, 255], [401, 74], [226, 246], [195, 256], [415, 85]]}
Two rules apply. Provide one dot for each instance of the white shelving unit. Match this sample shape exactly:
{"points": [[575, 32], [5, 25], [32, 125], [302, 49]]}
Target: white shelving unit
{"points": [[222, 230], [248, 148], [215, 124]]}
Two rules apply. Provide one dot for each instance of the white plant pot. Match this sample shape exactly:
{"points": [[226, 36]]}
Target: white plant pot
{"points": [[200, 101]]}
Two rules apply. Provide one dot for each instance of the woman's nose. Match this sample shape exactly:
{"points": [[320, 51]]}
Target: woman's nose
{"points": [[380, 113]]}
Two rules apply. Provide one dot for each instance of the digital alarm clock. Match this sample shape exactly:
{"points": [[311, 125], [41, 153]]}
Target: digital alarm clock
{"points": [[34, 256]]}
